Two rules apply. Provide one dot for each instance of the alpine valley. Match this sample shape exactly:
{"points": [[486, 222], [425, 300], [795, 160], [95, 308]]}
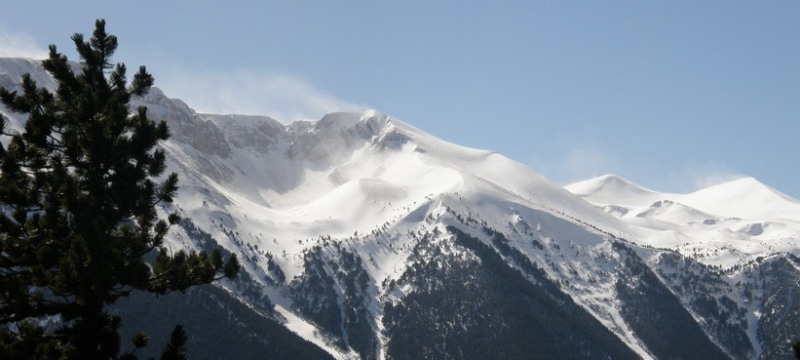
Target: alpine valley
{"points": [[363, 237]]}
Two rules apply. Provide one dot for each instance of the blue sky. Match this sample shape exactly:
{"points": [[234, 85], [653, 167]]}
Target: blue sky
{"points": [[673, 95]]}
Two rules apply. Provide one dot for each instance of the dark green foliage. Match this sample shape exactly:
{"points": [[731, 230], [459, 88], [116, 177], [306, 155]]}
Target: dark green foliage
{"points": [[28, 342], [657, 316], [344, 318], [723, 319], [315, 295], [140, 340], [219, 325], [796, 347], [78, 196], [478, 307], [780, 283], [243, 285], [358, 322], [176, 347]]}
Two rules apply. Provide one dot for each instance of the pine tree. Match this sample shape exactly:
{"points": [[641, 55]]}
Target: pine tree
{"points": [[796, 348], [176, 348], [78, 194]]}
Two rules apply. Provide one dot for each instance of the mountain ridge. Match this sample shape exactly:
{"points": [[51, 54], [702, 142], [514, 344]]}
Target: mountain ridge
{"points": [[351, 227], [613, 189]]}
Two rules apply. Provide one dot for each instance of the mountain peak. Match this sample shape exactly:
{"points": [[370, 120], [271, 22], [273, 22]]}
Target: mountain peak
{"points": [[745, 185], [613, 189], [349, 218], [745, 197], [600, 183], [367, 123]]}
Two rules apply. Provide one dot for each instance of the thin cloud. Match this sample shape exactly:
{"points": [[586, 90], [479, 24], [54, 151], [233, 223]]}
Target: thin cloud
{"points": [[280, 96], [584, 163], [690, 177], [703, 176], [16, 44], [577, 164]]}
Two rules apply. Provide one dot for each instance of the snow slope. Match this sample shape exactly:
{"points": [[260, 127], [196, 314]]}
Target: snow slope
{"points": [[368, 179], [279, 195], [726, 225]]}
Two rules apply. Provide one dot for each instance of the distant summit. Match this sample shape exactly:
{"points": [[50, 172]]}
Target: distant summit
{"points": [[612, 189], [372, 239], [745, 197]]}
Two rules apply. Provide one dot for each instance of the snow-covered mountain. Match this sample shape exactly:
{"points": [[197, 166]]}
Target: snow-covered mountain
{"points": [[373, 239], [726, 225]]}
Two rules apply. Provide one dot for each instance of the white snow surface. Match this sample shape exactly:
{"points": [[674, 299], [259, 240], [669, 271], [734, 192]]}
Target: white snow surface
{"points": [[282, 187], [366, 180], [726, 224]]}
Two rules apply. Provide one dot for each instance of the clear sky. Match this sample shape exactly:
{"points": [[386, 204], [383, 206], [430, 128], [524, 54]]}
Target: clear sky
{"points": [[672, 95]]}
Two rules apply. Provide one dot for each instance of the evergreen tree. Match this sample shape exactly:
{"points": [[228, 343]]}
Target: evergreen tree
{"points": [[78, 194], [796, 347], [176, 348]]}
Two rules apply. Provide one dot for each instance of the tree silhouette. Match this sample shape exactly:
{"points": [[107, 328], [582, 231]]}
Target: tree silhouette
{"points": [[79, 189]]}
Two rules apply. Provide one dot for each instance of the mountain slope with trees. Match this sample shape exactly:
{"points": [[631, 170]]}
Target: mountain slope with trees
{"points": [[78, 193], [369, 238]]}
